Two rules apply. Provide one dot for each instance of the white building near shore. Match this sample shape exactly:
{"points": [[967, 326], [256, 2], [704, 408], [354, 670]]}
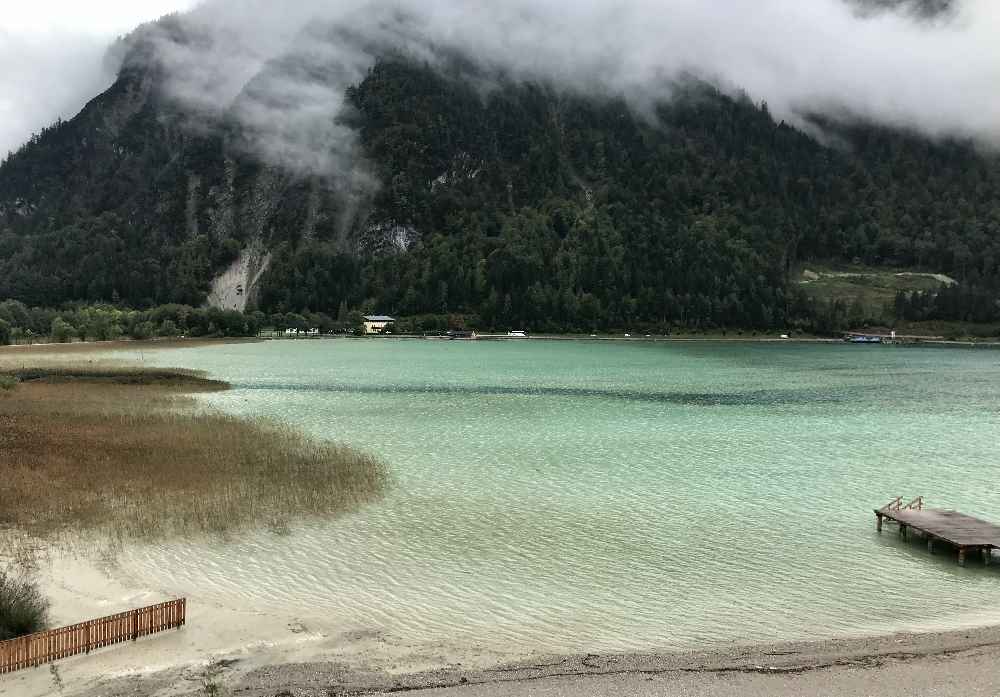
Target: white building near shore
{"points": [[377, 324]]}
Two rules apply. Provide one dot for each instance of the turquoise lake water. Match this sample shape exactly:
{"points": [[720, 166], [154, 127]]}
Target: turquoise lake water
{"points": [[613, 496]]}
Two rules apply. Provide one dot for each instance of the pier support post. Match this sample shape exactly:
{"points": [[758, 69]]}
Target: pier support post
{"points": [[961, 556], [986, 556], [902, 530], [878, 522], [930, 544]]}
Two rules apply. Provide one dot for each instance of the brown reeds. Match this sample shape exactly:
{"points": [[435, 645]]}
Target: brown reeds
{"points": [[32, 351], [120, 454]]}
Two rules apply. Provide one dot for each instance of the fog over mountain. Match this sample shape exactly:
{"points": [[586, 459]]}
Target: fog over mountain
{"points": [[929, 65], [55, 57], [44, 81], [898, 63]]}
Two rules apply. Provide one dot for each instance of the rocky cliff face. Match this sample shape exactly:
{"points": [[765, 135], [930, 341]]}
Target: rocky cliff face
{"points": [[239, 285]]}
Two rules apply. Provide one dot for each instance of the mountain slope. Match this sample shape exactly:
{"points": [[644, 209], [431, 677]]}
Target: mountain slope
{"points": [[517, 202]]}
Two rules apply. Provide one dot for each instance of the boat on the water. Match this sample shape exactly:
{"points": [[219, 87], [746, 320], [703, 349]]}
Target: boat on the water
{"points": [[863, 339]]}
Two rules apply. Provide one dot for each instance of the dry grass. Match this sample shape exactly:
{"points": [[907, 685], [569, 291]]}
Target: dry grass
{"points": [[120, 454], [32, 350], [119, 355], [110, 374]]}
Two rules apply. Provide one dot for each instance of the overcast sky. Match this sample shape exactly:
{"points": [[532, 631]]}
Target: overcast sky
{"points": [[51, 56], [939, 76]]}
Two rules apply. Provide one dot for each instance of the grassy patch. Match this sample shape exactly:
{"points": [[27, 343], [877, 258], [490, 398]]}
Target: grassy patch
{"points": [[875, 288], [951, 330], [121, 454]]}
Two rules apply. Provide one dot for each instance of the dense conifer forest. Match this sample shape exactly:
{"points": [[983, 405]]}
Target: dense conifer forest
{"points": [[509, 204]]}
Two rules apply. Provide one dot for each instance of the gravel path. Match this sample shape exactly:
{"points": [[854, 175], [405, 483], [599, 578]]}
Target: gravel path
{"points": [[963, 663]]}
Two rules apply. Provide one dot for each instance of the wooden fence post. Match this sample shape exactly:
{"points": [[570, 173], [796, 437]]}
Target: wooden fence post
{"points": [[45, 647]]}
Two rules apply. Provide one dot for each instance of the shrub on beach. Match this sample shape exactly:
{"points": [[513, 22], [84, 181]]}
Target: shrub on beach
{"points": [[23, 608]]}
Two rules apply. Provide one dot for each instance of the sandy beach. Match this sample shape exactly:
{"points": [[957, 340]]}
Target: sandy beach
{"points": [[249, 653]]}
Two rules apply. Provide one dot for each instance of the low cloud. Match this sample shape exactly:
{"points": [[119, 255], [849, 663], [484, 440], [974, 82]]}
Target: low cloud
{"points": [[44, 79], [285, 67], [280, 68], [54, 57]]}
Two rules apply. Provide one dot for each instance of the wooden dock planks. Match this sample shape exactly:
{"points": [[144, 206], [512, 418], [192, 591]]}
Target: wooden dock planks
{"points": [[964, 532], [955, 528]]}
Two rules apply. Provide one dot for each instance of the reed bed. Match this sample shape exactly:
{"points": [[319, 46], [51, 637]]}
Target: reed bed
{"points": [[120, 454], [114, 374], [84, 347]]}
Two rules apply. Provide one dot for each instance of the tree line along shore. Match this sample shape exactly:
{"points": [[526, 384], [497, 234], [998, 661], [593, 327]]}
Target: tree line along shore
{"points": [[917, 312]]}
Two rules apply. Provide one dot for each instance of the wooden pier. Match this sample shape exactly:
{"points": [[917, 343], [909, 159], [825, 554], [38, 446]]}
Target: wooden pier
{"points": [[963, 532]]}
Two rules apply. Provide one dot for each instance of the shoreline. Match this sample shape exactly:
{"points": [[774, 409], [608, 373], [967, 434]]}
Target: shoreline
{"points": [[570, 337], [162, 344], [938, 662], [761, 661], [811, 340], [125, 344], [275, 654]]}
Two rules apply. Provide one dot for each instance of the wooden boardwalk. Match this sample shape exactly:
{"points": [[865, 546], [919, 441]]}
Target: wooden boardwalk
{"points": [[964, 532]]}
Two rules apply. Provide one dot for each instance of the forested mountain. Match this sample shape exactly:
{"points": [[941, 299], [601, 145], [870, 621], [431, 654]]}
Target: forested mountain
{"points": [[510, 202]]}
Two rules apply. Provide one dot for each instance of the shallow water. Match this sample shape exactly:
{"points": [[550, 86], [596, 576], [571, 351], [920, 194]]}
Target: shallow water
{"points": [[580, 496]]}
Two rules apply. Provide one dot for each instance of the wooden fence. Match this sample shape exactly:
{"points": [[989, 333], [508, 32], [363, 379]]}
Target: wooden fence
{"points": [[45, 647]]}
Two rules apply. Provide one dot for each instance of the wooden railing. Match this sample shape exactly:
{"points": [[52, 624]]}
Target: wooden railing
{"points": [[915, 504], [45, 647], [893, 505], [896, 504]]}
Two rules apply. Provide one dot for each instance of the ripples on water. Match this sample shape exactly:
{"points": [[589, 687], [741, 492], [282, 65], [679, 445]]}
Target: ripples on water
{"points": [[689, 398], [602, 496]]}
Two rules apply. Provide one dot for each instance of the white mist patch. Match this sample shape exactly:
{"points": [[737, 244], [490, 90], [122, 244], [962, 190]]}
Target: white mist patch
{"points": [[936, 74], [55, 57], [285, 67]]}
